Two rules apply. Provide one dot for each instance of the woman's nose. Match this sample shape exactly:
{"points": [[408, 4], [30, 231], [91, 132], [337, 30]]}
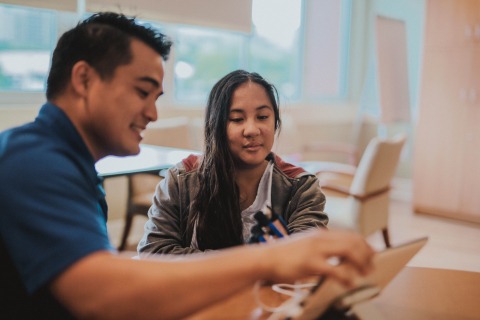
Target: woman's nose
{"points": [[251, 129]]}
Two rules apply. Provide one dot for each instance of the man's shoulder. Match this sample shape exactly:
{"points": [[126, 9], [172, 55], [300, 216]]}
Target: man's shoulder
{"points": [[28, 153], [22, 144]]}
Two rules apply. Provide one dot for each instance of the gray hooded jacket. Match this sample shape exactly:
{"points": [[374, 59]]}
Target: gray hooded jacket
{"points": [[296, 196]]}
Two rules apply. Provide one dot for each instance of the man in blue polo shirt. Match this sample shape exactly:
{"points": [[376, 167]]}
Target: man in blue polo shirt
{"points": [[57, 262]]}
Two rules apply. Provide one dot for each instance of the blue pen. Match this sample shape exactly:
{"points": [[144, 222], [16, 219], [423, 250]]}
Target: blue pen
{"points": [[273, 217]]}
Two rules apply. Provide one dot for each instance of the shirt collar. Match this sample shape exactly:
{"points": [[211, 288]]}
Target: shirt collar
{"points": [[58, 122]]}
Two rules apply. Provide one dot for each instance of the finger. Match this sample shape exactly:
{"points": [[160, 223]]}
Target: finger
{"points": [[349, 246], [345, 273]]}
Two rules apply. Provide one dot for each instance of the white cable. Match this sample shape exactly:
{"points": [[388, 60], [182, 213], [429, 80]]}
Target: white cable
{"points": [[289, 307], [291, 289]]}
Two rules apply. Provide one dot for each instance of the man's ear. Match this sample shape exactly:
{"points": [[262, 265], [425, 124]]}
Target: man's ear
{"points": [[82, 75]]}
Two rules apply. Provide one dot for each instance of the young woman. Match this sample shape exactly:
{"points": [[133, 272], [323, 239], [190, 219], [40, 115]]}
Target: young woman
{"points": [[208, 202]]}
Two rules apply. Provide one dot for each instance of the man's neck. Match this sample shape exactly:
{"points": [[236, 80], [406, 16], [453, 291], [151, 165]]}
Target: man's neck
{"points": [[76, 113]]}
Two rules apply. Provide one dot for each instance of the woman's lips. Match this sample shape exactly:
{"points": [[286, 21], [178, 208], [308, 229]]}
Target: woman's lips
{"points": [[252, 147]]}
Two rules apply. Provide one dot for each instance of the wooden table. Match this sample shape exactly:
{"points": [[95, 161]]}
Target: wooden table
{"points": [[416, 293], [425, 293]]}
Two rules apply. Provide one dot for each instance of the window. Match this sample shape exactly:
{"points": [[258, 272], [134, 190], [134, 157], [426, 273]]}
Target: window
{"points": [[301, 46], [273, 50], [202, 57], [304, 62], [27, 37]]}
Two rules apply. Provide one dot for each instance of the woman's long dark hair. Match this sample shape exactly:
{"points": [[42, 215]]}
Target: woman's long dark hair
{"points": [[216, 208]]}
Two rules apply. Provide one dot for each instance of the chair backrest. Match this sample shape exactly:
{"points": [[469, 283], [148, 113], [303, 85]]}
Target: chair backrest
{"points": [[169, 132], [377, 165]]}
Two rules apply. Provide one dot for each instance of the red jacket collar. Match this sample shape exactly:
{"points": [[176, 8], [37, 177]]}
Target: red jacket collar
{"points": [[193, 161]]}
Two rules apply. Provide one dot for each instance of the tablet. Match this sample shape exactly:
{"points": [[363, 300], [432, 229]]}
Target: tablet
{"points": [[387, 264]]}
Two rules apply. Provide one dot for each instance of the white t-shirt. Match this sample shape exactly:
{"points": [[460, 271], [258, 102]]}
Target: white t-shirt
{"points": [[263, 199]]}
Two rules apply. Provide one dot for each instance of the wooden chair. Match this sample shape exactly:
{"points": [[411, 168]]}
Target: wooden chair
{"points": [[358, 197], [170, 132]]}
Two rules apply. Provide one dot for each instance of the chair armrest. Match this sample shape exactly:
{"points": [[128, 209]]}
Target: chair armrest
{"points": [[338, 180], [350, 150], [346, 192], [341, 170], [320, 167], [335, 188]]}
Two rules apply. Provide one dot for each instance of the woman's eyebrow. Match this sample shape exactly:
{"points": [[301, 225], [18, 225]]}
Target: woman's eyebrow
{"points": [[264, 107], [257, 109], [237, 110]]}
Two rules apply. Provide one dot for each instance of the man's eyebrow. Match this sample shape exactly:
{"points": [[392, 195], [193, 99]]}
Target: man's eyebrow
{"points": [[150, 80]]}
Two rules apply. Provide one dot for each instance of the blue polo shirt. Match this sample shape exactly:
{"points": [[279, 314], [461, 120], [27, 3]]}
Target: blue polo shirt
{"points": [[53, 211]]}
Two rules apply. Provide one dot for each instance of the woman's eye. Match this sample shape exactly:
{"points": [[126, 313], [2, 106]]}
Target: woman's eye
{"points": [[262, 117], [236, 119]]}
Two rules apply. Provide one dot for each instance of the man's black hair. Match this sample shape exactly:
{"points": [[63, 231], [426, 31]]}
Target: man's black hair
{"points": [[103, 41]]}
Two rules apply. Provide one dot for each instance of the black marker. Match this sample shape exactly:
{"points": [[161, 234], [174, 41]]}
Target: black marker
{"points": [[257, 234], [264, 222]]}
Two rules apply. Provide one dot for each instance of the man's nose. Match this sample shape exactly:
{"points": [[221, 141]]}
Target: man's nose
{"points": [[151, 111]]}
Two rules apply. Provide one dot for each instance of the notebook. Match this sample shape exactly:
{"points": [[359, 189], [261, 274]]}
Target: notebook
{"points": [[387, 264]]}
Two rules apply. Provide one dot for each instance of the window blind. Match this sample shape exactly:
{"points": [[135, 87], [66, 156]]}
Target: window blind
{"points": [[234, 15]]}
